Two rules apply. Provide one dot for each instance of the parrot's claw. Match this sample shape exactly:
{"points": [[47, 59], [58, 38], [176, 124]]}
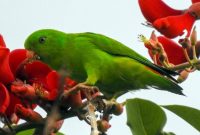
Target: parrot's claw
{"points": [[89, 90]]}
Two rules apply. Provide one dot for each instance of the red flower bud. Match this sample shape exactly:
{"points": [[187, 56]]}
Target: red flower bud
{"points": [[103, 125], [117, 109], [183, 76], [27, 114]]}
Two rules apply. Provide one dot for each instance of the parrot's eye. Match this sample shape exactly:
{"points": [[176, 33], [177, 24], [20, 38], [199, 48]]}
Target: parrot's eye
{"points": [[42, 40]]}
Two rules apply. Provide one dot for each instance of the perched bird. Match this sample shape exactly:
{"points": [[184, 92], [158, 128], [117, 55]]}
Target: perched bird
{"points": [[101, 61]]}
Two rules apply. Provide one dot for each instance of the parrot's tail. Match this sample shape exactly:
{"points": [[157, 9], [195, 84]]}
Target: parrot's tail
{"points": [[168, 85]]}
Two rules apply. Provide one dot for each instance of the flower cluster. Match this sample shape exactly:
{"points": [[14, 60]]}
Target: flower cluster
{"points": [[168, 21], [172, 23], [26, 82]]}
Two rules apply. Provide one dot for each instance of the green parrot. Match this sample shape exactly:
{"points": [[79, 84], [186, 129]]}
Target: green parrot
{"points": [[100, 61]]}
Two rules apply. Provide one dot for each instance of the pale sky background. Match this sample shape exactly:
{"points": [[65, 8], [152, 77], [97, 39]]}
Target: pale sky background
{"points": [[119, 19]]}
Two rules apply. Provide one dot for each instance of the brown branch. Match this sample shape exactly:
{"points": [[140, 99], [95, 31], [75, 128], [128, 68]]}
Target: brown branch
{"points": [[185, 65], [32, 125]]}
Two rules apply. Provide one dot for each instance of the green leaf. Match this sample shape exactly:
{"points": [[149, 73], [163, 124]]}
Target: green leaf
{"points": [[189, 114], [59, 133], [30, 132], [144, 117], [26, 132]]}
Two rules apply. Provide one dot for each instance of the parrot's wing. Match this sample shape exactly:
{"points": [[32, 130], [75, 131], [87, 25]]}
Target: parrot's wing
{"points": [[116, 48]]}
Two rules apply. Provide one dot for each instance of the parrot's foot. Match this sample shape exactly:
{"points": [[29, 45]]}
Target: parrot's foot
{"points": [[88, 90]]}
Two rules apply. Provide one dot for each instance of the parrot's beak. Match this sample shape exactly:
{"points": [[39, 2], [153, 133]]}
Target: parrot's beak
{"points": [[32, 55]]}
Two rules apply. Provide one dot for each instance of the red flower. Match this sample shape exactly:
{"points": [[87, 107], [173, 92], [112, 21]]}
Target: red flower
{"points": [[43, 77], [168, 21], [173, 50], [8, 66]]}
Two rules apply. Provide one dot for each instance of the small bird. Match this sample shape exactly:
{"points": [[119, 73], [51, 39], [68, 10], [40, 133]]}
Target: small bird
{"points": [[96, 60]]}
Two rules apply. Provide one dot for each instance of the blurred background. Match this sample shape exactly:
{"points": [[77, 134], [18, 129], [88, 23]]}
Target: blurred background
{"points": [[119, 19]]}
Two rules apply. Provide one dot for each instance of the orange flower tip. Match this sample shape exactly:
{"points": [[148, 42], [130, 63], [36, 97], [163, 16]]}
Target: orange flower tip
{"points": [[153, 36], [146, 42], [183, 76], [194, 10]]}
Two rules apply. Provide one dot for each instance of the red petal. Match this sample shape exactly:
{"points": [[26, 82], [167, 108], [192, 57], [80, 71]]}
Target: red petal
{"points": [[195, 1], [69, 83], [13, 101], [5, 98], [6, 75], [75, 100], [154, 9], [24, 91], [37, 71], [52, 81], [174, 26], [16, 58], [27, 114], [2, 43], [174, 51]]}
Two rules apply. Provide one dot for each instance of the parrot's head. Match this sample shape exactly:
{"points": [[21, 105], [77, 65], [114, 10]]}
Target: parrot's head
{"points": [[45, 43]]}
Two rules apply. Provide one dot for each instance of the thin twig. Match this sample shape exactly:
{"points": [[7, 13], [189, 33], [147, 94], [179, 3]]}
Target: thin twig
{"points": [[184, 65], [93, 120]]}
